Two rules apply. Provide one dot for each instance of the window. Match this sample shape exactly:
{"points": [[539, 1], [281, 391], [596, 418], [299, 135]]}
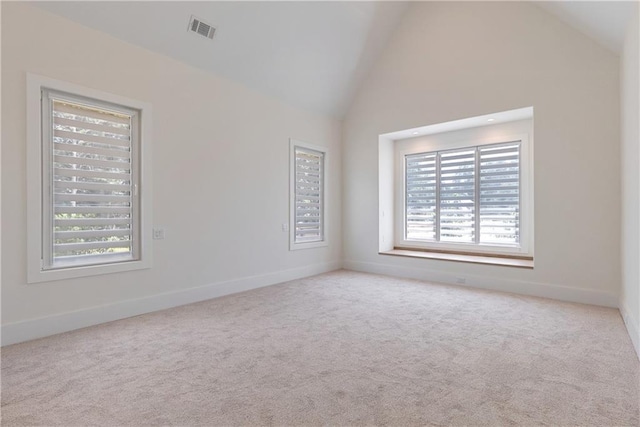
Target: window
{"points": [[88, 182], [308, 195], [459, 190], [469, 195]]}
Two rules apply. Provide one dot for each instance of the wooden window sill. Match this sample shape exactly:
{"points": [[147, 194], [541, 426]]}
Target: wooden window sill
{"points": [[474, 259]]}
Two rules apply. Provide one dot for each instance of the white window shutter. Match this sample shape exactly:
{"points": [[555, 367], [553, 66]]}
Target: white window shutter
{"points": [[420, 196], [457, 196], [309, 196], [500, 194], [91, 194], [468, 196]]}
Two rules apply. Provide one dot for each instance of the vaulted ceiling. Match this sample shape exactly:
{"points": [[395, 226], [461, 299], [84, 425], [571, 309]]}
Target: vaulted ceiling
{"points": [[604, 21], [310, 54]]}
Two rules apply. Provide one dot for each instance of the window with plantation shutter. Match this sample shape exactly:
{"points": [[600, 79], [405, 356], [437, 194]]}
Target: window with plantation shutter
{"points": [[465, 196], [460, 190], [92, 200], [87, 208], [308, 196]]}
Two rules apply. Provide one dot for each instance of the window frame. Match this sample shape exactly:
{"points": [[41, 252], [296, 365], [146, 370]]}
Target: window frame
{"points": [[38, 209], [526, 199], [293, 245]]}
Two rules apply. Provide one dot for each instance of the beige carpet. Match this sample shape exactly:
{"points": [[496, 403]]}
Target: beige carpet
{"points": [[342, 348]]}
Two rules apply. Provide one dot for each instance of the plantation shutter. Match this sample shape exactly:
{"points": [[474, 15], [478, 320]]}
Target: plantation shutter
{"points": [[420, 170], [500, 194], [92, 197], [457, 196], [309, 195], [469, 195]]}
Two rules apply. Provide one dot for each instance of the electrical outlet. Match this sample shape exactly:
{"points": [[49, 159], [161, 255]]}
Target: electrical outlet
{"points": [[158, 233], [285, 226]]}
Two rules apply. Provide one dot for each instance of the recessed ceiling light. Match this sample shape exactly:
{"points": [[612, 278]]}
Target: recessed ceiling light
{"points": [[490, 120], [415, 133]]}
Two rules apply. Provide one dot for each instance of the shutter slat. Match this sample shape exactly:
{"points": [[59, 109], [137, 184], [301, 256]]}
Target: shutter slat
{"points": [[488, 176], [121, 176], [490, 152], [91, 234], [77, 185], [419, 204], [79, 124], [498, 159], [91, 113], [77, 148], [489, 187], [97, 198], [90, 138], [448, 156], [107, 164], [89, 222], [507, 167], [67, 247], [458, 164], [91, 210]]}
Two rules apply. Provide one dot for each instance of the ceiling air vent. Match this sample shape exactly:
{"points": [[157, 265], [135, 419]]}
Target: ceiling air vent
{"points": [[202, 28]]}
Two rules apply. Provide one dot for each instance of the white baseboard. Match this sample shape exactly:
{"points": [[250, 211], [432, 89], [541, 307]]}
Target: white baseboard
{"points": [[633, 327], [13, 333], [562, 293]]}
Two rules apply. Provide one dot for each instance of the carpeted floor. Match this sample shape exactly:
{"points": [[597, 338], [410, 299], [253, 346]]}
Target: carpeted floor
{"points": [[342, 348]]}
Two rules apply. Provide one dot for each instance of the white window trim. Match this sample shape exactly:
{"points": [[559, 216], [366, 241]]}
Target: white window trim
{"points": [[526, 199], [35, 273], [293, 245]]}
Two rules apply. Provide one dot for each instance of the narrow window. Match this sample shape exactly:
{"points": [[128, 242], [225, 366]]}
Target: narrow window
{"points": [[308, 196]]}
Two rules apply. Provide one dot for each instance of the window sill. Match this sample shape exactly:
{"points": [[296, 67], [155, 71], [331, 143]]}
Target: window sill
{"points": [[474, 259], [307, 245], [38, 276]]}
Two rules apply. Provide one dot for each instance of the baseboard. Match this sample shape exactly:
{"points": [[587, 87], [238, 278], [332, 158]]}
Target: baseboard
{"points": [[13, 333], [562, 293], [633, 327]]}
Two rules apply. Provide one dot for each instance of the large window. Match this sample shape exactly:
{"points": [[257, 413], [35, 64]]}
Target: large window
{"points": [[469, 195], [89, 184], [470, 198], [460, 190], [308, 196]]}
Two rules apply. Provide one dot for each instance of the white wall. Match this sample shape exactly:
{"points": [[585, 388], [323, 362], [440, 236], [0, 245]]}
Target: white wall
{"points": [[220, 165], [630, 114], [451, 60]]}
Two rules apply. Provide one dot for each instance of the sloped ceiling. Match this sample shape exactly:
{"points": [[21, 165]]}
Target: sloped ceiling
{"points": [[309, 54], [604, 21]]}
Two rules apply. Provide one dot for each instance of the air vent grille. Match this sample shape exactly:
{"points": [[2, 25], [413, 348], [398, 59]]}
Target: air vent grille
{"points": [[202, 28]]}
